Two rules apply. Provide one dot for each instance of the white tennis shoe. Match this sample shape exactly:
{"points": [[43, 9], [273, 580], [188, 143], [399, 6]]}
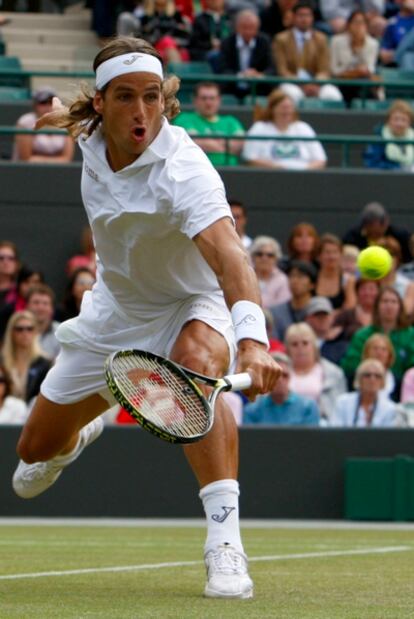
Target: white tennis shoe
{"points": [[227, 575], [29, 480]]}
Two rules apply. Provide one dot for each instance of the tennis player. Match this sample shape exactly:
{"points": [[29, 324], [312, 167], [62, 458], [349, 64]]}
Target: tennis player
{"points": [[172, 278]]}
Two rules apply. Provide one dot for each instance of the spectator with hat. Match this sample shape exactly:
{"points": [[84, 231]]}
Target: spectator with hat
{"points": [[373, 226], [301, 279], [282, 406], [41, 148], [319, 315]]}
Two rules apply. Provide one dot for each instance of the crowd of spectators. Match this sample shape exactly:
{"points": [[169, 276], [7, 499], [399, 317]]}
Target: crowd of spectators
{"points": [[345, 344], [321, 38], [29, 318]]}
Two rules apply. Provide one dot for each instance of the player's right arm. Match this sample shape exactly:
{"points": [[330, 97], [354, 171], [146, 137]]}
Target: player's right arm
{"points": [[222, 249]]}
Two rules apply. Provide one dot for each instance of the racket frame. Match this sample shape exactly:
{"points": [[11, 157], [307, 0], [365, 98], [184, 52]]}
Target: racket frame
{"points": [[183, 373]]}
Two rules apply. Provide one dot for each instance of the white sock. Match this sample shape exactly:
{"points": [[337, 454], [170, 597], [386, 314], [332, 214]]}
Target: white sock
{"points": [[221, 505]]}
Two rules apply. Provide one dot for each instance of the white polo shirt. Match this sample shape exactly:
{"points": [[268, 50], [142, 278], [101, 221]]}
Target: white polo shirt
{"points": [[144, 218]]}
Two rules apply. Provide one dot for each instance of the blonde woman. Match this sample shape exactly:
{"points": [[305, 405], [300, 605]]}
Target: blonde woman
{"points": [[279, 118], [312, 375], [23, 358], [379, 346], [366, 406], [265, 253]]}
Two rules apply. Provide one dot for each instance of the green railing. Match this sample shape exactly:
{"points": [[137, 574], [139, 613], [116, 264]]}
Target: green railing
{"points": [[345, 141], [390, 84]]}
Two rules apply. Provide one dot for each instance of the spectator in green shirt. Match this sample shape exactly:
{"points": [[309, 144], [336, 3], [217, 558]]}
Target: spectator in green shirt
{"points": [[206, 121], [388, 317]]}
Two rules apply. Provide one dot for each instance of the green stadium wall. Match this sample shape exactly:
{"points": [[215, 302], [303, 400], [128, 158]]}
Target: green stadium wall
{"points": [[284, 473]]}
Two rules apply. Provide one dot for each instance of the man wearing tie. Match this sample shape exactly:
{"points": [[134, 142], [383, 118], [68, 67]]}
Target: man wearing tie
{"points": [[302, 52]]}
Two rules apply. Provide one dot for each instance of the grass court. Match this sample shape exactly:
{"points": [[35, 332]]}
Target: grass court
{"points": [[135, 572]]}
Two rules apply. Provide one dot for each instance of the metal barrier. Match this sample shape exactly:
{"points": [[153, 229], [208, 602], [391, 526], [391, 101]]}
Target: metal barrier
{"points": [[405, 85], [345, 141]]}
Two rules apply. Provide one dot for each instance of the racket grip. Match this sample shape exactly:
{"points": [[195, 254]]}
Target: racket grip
{"points": [[239, 382]]}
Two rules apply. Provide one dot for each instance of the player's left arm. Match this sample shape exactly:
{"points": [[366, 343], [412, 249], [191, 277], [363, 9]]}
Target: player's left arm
{"points": [[222, 249]]}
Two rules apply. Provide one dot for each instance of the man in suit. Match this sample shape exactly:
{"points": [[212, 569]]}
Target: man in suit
{"points": [[302, 52], [246, 53]]}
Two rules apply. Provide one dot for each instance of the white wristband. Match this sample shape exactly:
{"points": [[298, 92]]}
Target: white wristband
{"points": [[249, 322]]}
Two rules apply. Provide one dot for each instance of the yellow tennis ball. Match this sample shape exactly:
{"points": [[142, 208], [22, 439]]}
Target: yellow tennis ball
{"points": [[374, 262]]}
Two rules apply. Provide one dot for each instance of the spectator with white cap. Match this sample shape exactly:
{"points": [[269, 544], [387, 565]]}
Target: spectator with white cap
{"points": [[41, 148]]}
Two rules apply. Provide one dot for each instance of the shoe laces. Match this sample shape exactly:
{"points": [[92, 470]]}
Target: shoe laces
{"points": [[39, 469], [227, 561]]}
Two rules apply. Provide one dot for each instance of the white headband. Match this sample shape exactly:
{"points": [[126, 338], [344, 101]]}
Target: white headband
{"points": [[127, 63]]}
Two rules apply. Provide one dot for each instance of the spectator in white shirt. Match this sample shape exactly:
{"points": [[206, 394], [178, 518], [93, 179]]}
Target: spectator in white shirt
{"points": [[365, 407], [280, 119]]}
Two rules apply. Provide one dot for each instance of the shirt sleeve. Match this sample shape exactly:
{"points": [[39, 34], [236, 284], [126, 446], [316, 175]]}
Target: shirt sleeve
{"points": [[198, 195], [313, 151]]}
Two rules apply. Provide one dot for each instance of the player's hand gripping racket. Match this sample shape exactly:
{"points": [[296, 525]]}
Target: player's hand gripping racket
{"points": [[164, 397]]}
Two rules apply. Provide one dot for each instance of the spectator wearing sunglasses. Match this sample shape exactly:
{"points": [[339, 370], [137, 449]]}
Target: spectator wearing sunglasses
{"points": [[366, 406], [12, 410], [26, 278], [282, 406], [24, 360], [265, 253]]}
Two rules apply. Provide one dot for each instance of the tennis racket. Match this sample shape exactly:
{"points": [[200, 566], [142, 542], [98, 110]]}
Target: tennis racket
{"points": [[163, 397]]}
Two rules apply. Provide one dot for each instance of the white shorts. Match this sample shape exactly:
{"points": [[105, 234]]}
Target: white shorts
{"points": [[87, 340]]}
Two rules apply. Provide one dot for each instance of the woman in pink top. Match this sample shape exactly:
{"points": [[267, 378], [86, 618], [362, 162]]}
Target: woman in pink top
{"points": [[265, 253], [41, 148], [313, 376]]}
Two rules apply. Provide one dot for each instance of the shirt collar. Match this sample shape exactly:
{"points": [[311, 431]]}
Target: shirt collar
{"points": [[156, 151], [299, 34], [241, 43]]}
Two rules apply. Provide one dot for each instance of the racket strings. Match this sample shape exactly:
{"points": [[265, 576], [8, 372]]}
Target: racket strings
{"points": [[162, 397]]}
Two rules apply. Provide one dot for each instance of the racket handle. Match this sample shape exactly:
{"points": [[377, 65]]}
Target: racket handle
{"points": [[239, 382]]}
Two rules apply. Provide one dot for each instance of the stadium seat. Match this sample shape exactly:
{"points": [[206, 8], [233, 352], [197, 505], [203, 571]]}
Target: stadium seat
{"points": [[181, 69], [395, 75], [14, 93], [312, 103], [229, 100], [374, 105], [12, 63]]}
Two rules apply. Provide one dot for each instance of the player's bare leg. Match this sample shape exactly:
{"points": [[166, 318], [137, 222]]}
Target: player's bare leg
{"points": [[214, 461], [54, 436]]}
